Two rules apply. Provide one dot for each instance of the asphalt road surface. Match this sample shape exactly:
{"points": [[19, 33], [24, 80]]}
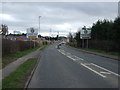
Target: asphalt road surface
{"points": [[70, 68]]}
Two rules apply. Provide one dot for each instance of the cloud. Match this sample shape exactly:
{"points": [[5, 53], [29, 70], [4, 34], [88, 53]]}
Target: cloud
{"points": [[58, 16], [7, 17]]}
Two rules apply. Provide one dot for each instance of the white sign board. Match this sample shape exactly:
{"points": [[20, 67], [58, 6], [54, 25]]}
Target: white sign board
{"points": [[32, 32], [85, 34]]}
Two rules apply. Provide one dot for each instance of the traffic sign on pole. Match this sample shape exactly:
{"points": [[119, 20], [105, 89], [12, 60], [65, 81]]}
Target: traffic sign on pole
{"points": [[32, 33], [85, 34]]}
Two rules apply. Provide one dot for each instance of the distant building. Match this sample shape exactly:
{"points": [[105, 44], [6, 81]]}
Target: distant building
{"points": [[19, 38], [22, 38], [12, 37], [119, 9]]}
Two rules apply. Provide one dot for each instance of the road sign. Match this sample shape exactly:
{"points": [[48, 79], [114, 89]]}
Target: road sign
{"points": [[32, 33], [85, 34]]}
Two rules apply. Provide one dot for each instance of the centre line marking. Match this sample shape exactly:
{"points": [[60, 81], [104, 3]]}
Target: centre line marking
{"points": [[69, 55], [79, 58], [85, 65], [71, 58], [93, 70], [105, 69], [105, 72]]}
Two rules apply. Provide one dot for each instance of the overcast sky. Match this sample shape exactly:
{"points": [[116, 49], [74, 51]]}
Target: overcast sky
{"points": [[59, 16]]}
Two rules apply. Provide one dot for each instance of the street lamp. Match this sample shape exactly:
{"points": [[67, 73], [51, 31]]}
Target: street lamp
{"points": [[119, 9], [39, 23]]}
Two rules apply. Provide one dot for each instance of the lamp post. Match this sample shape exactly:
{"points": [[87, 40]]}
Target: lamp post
{"points": [[39, 23], [119, 9]]}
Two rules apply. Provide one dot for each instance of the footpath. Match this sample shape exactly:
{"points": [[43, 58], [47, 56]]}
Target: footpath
{"points": [[14, 65]]}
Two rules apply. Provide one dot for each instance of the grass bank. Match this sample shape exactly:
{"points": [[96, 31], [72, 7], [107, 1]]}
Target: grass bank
{"points": [[98, 51], [18, 78], [101, 51], [12, 57]]}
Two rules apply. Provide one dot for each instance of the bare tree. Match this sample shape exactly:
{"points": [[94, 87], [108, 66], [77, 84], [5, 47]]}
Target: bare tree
{"points": [[70, 36], [4, 30]]}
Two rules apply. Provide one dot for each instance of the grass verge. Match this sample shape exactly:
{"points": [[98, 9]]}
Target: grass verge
{"points": [[99, 51], [18, 78], [12, 57]]}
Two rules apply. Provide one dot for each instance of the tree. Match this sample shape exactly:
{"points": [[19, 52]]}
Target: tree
{"points": [[116, 30], [102, 30], [70, 36], [4, 29], [77, 38], [57, 37]]}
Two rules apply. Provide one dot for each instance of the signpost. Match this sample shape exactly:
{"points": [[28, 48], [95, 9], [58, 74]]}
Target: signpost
{"points": [[32, 33], [85, 34]]}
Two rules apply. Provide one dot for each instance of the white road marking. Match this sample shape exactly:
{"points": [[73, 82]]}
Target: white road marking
{"points": [[69, 55], [93, 70], [105, 72], [71, 58], [79, 58], [87, 63], [105, 69], [63, 53]]}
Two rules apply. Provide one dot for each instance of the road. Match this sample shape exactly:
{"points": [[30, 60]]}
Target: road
{"points": [[71, 68]]}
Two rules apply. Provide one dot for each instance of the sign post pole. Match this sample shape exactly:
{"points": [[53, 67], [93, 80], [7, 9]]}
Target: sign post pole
{"points": [[30, 42], [87, 43], [83, 43], [34, 43]]}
